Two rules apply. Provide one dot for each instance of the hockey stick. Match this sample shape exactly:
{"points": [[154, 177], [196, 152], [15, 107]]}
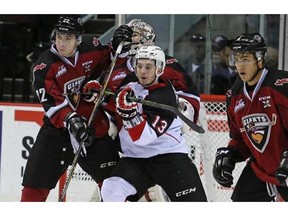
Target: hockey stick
{"points": [[174, 110], [90, 122]]}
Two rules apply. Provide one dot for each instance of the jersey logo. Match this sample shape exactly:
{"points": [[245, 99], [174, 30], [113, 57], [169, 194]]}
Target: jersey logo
{"points": [[265, 101], [171, 60], [280, 82], [229, 93], [239, 105], [39, 67], [120, 75], [72, 90], [258, 128], [61, 70], [87, 66]]}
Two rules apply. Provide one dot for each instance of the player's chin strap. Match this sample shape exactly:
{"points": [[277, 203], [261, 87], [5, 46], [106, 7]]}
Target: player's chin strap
{"points": [[91, 119]]}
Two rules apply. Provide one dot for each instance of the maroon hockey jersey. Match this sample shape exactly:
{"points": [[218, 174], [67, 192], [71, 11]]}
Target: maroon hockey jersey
{"points": [[258, 122], [58, 81]]}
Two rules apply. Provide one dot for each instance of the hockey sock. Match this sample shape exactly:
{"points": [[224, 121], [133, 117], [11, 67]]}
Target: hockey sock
{"points": [[30, 194]]}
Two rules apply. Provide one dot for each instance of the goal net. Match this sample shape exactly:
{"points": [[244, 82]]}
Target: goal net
{"points": [[202, 149]]}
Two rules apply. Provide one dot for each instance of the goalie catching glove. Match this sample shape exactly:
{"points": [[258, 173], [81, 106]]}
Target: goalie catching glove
{"points": [[223, 167], [92, 89], [128, 109]]}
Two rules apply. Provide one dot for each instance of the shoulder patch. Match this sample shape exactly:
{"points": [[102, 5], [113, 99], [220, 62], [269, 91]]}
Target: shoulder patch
{"points": [[280, 82], [39, 67]]}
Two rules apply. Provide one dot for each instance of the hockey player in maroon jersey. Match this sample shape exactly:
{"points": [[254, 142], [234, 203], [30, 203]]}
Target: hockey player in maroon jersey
{"points": [[58, 76], [257, 111], [154, 151]]}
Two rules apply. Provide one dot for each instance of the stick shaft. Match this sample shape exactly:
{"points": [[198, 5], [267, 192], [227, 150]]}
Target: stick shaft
{"points": [[174, 110], [91, 119], [106, 80]]}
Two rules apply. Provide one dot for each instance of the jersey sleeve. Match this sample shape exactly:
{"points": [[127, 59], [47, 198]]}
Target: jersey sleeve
{"points": [[50, 96], [156, 121], [183, 84]]}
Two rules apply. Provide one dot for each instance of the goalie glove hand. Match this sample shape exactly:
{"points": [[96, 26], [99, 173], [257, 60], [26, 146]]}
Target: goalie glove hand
{"points": [[282, 171], [223, 167], [122, 33], [92, 89]]}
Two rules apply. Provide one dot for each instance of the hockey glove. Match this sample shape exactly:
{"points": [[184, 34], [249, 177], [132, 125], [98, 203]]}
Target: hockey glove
{"points": [[223, 167], [92, 89], [125, 108], [282, 171], [79, 133], [122, 33]]}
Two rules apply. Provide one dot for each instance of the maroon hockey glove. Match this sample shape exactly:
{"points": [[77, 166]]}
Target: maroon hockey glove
{"points": [[125, 108], [223, 167], [92, 89], [122, 33], [282, 171]]}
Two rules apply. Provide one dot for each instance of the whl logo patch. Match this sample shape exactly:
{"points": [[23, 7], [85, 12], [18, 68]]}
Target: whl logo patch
{"points": [[257, 127]]}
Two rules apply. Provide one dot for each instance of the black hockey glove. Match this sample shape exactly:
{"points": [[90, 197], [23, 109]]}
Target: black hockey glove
{"points": [[77, 126], [282, 171], [122, 33], [223, 167]]}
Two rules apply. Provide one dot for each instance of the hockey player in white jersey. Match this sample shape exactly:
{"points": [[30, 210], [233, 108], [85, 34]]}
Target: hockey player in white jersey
{"points": [[154, 151]]}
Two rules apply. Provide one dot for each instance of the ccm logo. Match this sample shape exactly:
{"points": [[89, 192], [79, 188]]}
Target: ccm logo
{"points": [[108, 164], [185, 192]]}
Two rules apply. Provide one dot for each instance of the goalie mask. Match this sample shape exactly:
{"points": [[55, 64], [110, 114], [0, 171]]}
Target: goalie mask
{"points": [[143, 35], [68, 25]]}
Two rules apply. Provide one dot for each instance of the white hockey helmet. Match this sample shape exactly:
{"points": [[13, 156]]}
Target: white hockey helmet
{"points": [[152, 53]]}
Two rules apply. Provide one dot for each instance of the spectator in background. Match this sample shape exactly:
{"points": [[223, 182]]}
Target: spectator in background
{"points": [[195, 65], [223, 73]]}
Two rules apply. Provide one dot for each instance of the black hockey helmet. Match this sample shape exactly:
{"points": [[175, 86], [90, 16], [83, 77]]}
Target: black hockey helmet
{"points": [[249, 42], [69, 25]]}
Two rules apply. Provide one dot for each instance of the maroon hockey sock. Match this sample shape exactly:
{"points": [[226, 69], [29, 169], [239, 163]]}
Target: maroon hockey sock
{"points": [[30, 194]]}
